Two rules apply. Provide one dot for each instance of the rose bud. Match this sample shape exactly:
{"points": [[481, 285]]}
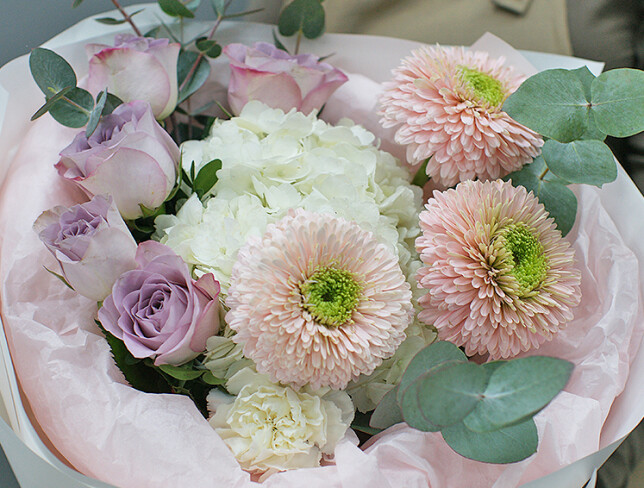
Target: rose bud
{"points": [[270, 75], [129, 156], [159, 311], [136, 68], [91, 242]]}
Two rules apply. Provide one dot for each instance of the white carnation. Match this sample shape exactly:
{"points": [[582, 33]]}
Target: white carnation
{"points": [[271, 428]]}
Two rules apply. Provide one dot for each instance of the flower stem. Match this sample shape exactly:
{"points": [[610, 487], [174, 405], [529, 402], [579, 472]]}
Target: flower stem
{"points": [[543, 175], [127, 17], [297, 41]]}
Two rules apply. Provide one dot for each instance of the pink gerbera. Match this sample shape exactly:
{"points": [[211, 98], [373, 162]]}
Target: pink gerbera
{"points": [[317, 300], [447, 102], [500, 277]]}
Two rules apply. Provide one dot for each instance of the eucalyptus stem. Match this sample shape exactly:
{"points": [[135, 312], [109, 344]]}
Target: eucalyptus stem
{"points": [[297, 41], [127, 17], [194, 66], [544, 173]]}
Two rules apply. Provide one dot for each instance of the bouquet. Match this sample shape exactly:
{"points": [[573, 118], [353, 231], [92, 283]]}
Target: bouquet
{"points": [[258, 292]]}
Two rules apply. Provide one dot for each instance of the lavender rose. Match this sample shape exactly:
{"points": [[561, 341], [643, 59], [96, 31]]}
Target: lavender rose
{"points": [[137, 68], [273, 76], [159, 311], [129, 156], [91, 242]]}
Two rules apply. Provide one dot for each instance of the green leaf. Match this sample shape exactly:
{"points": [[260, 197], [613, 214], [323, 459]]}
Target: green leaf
{"points": [[552, 103], [193, 4], [412, 411], [110, 21], [74, 109], [388, 412], [60, 277], [50, 71], [186, 60], [278, 43], [306, 16], [421, 177], [50, 102], [97, 111], [218, 7], [111, 102], [206, 178], [517, 391], [618, 102], [589, 162], [361, 423], [586, 78], [209, 47], [433, 356], [211, 379], [592, 131], [174, 8], [508, 445], [183, 373], [560, 202], [447, 395]]}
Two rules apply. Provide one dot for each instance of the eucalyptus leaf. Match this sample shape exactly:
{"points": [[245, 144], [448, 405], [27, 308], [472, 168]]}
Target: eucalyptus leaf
{"points": [[592, 131], [209, 47], [50, 71], [306, 16], [97, 111], [433, 356], [447, 395], [412, 411], [587, 161], [193, 4], [206, 178], [278, 43], [388, 412], [218, 7], [74, 109], [110, 21], [552, 103], [211, 379], [508, 445], [618, 102], [50, 102], [174, 8], [560, 202], [518, 390], [586, 77], [60, 277], [180, 372], [111, 102], [198, 77]]}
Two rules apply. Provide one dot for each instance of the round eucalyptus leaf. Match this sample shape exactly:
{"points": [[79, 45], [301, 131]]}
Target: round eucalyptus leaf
{"points": [[388, 412], [447, 395], [74, 109], [412, 412], [306, 16], [508, 445], [174, 8], [618, 102], [50, 71], [432, 356], [586, 78], [552, 103], [589, 162], [517, 390]]}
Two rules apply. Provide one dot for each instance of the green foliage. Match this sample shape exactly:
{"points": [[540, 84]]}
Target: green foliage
{"points": [[618, 102], [302, 16], [559, 201], [208, 47], [174, 8], [50, 71], [183, 373], [552, 103], [206, 178], [74, 109], [218, 7], [190, 80], [97, 111], [484, 412], [585, 161]]}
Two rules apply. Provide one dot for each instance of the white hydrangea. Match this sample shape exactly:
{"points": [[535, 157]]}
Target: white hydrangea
{"points": [[271, 428], [273, 161]]}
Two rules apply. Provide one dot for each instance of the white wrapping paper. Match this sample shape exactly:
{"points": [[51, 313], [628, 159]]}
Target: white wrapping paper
{"points": [[88, 416]]}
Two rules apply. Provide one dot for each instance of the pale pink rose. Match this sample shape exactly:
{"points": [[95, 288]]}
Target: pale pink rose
{"points": [[129, 156], [137, 68], [91, 242], [270, 75], [159, 311]]}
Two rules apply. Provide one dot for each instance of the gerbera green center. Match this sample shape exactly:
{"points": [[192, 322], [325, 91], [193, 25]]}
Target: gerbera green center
{"points": [[530, 265], [331, 295], [484, 86]]}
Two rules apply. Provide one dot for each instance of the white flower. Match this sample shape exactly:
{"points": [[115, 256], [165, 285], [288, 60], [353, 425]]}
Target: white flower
{"points": [[271, 162], [271, 428], [224, 358]]}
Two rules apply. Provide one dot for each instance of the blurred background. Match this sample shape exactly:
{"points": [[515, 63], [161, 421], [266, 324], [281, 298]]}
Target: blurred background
{"points": [[611, 31]]}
